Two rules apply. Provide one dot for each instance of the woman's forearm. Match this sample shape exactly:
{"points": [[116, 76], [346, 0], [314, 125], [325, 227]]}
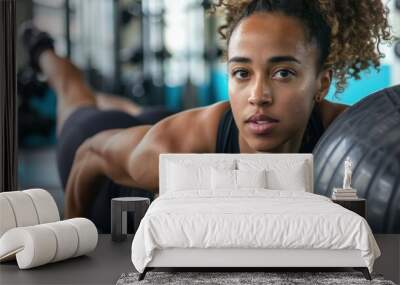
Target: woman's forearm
{"points": [[85, 174], [103, 155]]}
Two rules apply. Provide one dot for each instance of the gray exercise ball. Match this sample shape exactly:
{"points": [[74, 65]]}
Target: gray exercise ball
{"points": [[369, 133]]}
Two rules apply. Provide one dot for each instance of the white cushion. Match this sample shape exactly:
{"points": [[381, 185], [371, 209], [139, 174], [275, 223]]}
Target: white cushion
{"points": [[186, 175], [45, 205], [7, 218], [32, 246], [87, 234], [26, 208], [282, 175], [251, 178], [67, 237], [40, 244], [23, 208]]}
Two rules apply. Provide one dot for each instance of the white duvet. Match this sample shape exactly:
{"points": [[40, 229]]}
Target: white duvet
{"points": [[250, 219]]}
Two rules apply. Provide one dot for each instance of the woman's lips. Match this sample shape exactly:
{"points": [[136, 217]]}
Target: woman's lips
{"points": [[261, 124], [261, 127]]}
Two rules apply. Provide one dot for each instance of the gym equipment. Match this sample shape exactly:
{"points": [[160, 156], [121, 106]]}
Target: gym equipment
{"points": [[369, 133], [397, 49], [35, 41], [36, 109]]}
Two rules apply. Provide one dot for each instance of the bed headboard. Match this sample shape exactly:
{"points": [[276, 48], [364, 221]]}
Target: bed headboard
{"points": [[211, 158]]}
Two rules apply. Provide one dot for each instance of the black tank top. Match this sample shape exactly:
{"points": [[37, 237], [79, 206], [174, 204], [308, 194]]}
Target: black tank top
{"points": [[228, 134]]}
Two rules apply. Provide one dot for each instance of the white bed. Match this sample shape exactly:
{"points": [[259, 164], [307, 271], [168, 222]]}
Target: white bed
{"points": [[253, 210]]}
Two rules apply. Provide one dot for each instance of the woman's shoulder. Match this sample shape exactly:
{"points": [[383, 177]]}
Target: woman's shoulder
{"points": [[329, 111], [192, 130], [219, 108], [209, 119], [207, 115]]}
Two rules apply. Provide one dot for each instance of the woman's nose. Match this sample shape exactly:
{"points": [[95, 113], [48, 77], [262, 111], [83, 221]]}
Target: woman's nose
{"points": [[260, 95]]}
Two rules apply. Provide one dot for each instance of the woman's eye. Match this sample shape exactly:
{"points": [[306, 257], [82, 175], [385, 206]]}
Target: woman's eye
{"points": [[283, 74], [240, 74]]}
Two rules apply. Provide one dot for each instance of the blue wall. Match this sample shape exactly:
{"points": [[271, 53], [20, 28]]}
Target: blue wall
{"points": [[356, 90]]}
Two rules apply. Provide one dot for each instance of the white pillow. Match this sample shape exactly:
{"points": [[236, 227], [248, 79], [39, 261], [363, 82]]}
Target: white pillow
{"points": [[223, 179], [235, 179], [183, 178], [186, 175], [283, 174], [294, 179], [251, 178]]}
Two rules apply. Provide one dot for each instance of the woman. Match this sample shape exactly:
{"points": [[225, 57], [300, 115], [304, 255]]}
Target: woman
{"points": [[282, 58]]}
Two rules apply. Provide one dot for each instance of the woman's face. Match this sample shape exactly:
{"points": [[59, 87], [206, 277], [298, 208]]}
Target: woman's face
{"points": [[272, 82]]}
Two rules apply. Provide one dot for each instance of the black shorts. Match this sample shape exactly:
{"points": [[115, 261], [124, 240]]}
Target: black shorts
{"points": [[84, 123]]}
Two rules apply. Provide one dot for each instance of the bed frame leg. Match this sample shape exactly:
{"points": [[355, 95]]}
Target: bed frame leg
{"points": [[364, 271], [143, 274]]}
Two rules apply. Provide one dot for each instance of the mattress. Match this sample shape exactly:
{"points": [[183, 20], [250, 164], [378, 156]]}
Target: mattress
{"points": [[250, 219]]}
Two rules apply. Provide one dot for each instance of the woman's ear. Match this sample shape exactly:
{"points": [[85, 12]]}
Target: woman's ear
{"points": [[324, 82]]}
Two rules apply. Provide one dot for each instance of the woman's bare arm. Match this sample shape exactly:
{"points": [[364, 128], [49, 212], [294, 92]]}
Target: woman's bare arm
{"points": [[93, 162], [130, 157], [189, 132]]}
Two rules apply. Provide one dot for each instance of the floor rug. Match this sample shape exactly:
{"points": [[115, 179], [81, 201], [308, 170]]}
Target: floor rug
{"points": [[242, 278]]}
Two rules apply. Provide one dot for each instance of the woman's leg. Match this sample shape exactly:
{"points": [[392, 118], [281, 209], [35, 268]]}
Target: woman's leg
{"points": [[114, 102], [68, 83], [66, 79]]}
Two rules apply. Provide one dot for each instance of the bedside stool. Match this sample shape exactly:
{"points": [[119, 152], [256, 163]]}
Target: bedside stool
{"points": [[119, 208], [358, 206]]}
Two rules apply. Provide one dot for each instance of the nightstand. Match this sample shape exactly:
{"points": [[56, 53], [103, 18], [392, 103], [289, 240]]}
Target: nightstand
{"points": [[358, 206], [119, 208]]}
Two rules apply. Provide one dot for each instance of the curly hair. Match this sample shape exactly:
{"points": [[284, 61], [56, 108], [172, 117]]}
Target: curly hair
{"points": [[347, 32]]}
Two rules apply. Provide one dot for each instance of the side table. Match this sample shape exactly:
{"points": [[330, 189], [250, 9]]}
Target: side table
{"points": [[358, 205], [119, 208]]}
